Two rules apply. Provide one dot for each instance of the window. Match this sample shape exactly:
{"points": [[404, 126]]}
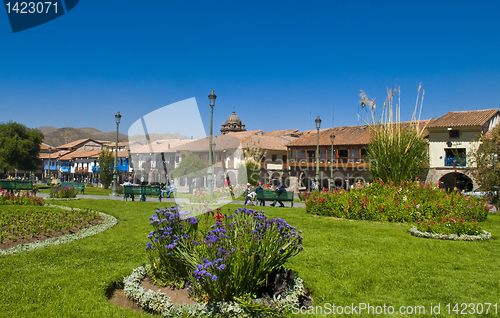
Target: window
{"points": [[343, 153], [454, 133], [456, 153], [273, 157], [284, 158]]}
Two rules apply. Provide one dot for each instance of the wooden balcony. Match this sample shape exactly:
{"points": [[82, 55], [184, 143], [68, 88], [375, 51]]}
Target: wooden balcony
{"points": [[81, 170], [337, 163]]}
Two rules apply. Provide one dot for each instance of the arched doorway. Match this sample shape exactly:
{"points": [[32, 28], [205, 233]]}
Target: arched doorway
{"points": [[457, 180], [232, 177]]}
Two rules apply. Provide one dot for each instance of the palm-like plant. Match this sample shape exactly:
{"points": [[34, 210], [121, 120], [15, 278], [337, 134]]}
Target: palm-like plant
{"points": [[398, 150]]}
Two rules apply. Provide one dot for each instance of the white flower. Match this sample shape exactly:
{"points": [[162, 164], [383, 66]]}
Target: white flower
{"points": [[404, 198]]}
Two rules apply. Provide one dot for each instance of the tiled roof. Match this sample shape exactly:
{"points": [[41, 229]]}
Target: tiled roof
{"points": [[464, 118], [344, 136], [53, 155], [278, 133], [244, 133], [228, 141], [80, 154], [265, 142], [120, 144], [44, 146], [76, 143], [159, 146]]}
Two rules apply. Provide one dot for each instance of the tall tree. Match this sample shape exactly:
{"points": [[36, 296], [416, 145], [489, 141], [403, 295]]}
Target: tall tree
{"points": [[190, 167], [19, 147], [486, 168], [106, 162]]}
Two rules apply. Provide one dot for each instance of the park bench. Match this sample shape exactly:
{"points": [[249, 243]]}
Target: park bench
{"points": [[271, 195], [142, 191], [80, 186], [16, 185]]}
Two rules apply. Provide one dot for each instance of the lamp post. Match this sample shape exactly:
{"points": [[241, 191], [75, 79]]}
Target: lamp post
{"points": [[332, 139], [210, 176], [48, 166], [318, 125], [114, 190]]}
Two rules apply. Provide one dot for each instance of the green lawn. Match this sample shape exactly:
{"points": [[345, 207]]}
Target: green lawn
{"points": [[343, 262]]}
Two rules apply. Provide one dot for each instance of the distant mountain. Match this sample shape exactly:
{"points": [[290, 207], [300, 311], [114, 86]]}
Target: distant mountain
{"points": [[59, 136]]}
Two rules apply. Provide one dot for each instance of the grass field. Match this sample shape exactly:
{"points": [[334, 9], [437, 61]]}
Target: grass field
{"points": [[343, 262]]}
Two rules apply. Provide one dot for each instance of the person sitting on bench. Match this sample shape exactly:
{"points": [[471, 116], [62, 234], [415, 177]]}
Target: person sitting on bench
{"points": [[171, 189], [129, 183], [279, 189]]}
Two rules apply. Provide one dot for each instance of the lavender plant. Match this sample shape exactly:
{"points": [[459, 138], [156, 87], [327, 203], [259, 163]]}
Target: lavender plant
{"points": [[227, 258]]}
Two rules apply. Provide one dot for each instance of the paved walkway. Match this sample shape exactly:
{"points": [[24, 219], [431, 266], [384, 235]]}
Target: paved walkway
{"points": [[154, 199]]}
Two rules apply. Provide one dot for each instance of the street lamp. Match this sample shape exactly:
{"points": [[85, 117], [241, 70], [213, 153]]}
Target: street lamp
{"points": [[318, 125], [114, 190], [332, 139], [48, 166], [210, 176]]}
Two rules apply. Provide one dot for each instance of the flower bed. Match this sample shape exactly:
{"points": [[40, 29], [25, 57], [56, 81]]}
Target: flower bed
{"points": [[405, 202], [108, 222], [7, 198], [63, 193], [200, 196], [160, 303], [454, 237], [220, 257]]}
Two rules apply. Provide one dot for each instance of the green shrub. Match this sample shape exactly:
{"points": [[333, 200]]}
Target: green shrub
{"points": [[63, 192]]}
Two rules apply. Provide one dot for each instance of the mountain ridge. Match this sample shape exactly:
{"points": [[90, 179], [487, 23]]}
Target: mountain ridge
{"points": [[56, 137]]}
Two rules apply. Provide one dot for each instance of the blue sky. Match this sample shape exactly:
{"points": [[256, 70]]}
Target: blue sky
{"points": [[279, 64]]}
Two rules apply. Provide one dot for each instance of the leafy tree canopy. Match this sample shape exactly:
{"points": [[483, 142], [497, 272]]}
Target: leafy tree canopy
{"points": [[249, 172], [190, 166], [19, 147], [106, 161], [487, 168]]}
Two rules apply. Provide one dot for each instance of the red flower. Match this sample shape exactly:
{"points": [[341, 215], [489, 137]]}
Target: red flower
{"points": [[219, 217]]}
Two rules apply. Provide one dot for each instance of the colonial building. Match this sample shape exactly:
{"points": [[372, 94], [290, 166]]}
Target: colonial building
{"points": [[452, 138], [347, 162], [232, 124]]}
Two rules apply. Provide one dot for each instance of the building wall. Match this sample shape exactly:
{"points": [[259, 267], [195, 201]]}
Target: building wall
{"points": [[438, 144]]}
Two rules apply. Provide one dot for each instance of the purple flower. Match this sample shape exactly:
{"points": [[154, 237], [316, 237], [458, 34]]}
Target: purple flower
{"points": [[214, 278]]}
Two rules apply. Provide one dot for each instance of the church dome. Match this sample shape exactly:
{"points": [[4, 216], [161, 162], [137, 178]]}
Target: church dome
{"points": [[232, 124], [233, 119]]}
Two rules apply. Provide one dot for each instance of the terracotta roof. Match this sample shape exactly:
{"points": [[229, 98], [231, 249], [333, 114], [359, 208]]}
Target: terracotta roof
{"points": [[228, 141], [159, 146], [120, 144], [344, 136], [286, 132], [241, 133], [44, 146], [464, 118], [265, 142], [53, 155], [76, 143], [80, 154]]}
